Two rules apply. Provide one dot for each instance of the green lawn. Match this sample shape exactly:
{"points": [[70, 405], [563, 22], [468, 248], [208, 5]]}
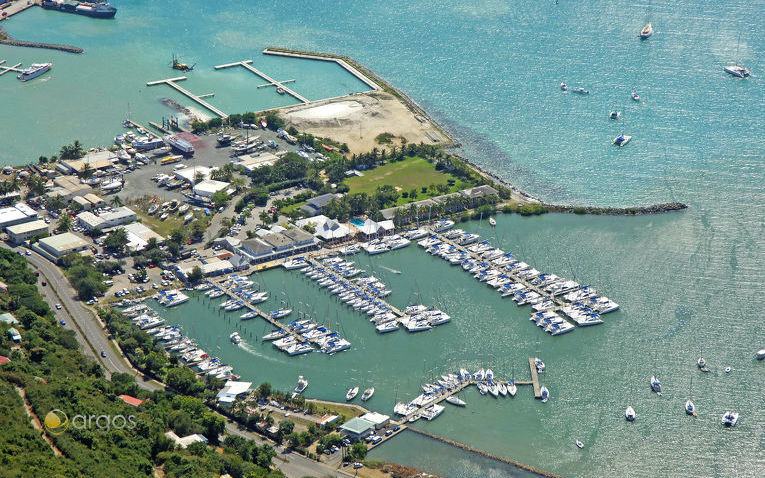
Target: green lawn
{"points": [[411, 173]]}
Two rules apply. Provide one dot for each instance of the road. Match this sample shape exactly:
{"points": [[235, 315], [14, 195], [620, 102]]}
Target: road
{"points": [[93, 338], [88, 328]]}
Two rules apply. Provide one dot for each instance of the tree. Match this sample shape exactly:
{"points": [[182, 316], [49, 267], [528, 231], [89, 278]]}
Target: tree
{"points": [[195, 275], [141, 275], [64, 223], [35, 185], [214, 426], [291, 166], [264, 390], [358, 451], [116, 202], [72, 151], [173, 248], [198, 177], [86, 171], [178, 236], [116, 241], [183, 380], [42, 160], [219, 199], [55, 203]]}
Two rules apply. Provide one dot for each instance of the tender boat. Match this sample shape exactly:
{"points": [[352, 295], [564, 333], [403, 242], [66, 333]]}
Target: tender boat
{"points": [[760, 354], [540, 365], [635, 96], [729, 418], [351, 393], [545, 394], [702, 364], [455, 400], [367, 394], [492, 222], [690, 408], [621, 140], [630, 414], [647, 31], [301, 386], [737, 71], [655, 385], [235, 338], [579, 444], [615, 115], [728, 370]]}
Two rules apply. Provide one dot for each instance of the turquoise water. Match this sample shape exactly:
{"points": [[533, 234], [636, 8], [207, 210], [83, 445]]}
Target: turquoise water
{"points": [[489, 71]]}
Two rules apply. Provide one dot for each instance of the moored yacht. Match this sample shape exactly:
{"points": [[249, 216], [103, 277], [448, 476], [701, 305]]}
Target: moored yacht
{"points": [[235, 338], [455, 400], [621, 139], [737, 71], [367, 394], [351, 393], [615, 115], [690, 408], [512, 388], [646, 31], [302, 384], [545, 393], [729, 418], [702, 363], [34, 70], [629, 414], [655, 385]]}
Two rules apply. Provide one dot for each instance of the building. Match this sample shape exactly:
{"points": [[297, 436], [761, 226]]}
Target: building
{"points": [[208, 187], [3, 288], [479, 192], [271, 245], [113, 218], [232, 391], [55, 247], [67, 188], [95, 201], [327, 420], [96, 161], [251, 162], [315, 206], [8, 318], [257, 250], [25, 231], [357, 429], [138, 236], [326, 229], [18, 214], [84, 204], [211, 266], [190, 174], [378, 419], [15, 335], [4, 360], [130, 400], [183, 442], [371, 229]]}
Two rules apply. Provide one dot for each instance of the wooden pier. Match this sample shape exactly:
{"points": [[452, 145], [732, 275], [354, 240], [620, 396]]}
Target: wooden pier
{"points": [[271, 81], [534, 377], [172, 82], [6, 69]]}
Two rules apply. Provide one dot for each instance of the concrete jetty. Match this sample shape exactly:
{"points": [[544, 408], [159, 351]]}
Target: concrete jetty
{"points": [[335, 59], [6, 69], [534, 377], [172, 82], [278, 84]]}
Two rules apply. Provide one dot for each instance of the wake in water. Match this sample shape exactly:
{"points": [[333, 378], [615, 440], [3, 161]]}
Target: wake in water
{"points": [[391, 270], [249, 349]]}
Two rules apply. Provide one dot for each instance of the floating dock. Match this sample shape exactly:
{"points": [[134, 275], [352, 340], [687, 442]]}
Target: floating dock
{"points": [[6, 69], [278, 84], [343, 64], [172, 82]]}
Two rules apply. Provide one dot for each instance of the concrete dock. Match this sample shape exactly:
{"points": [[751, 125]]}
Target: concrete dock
{"points": [[278, 84], [534, 378], [6, 69], [172, 82], [342, 63]]}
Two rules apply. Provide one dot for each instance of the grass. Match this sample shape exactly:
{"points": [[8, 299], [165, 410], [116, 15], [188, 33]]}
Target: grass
{"points": [[412, 172], [291, 208], [173, 221], [337, 409]]}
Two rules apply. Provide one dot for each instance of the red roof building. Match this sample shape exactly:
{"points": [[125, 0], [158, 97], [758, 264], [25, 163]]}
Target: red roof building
{"points": [[4, 359], [131, 400]]}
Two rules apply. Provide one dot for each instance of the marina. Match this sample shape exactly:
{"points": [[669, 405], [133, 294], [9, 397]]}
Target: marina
{"points": [[280, 88]]}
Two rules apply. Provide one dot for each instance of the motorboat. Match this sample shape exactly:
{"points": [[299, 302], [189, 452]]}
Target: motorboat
{"points": [[729, 418], [248, 315], [351, 393], [646, 31], [737, 71], [275, 334], [702, 364], [621, 140], [615, 115], [33, 71], [563, 86], [489, 374], [760, 354], [580, 91], [728, 369], [655, 385], [630, 414], [579, 444], [635, 96], [367, 394], [455, 400], [690, 408], [235, 338], [545, 393], [540, 365], [302, 384], [492, 222]]}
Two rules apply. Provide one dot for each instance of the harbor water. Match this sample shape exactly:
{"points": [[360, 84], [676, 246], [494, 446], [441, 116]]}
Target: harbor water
{"points": [[688, 283]]}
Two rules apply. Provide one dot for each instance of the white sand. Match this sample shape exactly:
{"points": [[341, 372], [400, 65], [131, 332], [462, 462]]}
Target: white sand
{"points": [[343, 109]]}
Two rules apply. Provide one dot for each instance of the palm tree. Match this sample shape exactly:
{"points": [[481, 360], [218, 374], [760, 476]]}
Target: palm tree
{"points": [[116, 202], [64, 223]]}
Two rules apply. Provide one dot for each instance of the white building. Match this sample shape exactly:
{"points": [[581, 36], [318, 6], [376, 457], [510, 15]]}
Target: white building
{"points": [[54, 247], [19, 233], [183, 442], [138, 236], [18, 214], [378, 419], [115, 217], [232, 391], [189, 174], [208, 187]]}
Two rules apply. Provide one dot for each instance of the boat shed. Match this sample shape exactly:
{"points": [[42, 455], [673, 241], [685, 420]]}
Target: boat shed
{"points": [[232, 391], [379, 420], [357, 429], [22, 232], [54, 247], [95, 161], [208, 187]]}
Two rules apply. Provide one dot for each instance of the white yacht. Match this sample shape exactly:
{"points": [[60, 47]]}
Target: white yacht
{"points": [[502, 389], [443, 225], [351, 393], [274, 335], [493, 389], [235, 338], [248, 315], [302, 384], [646, 31], [512, 389], [579, 444], [655, 385], [432, 412], [34, 70], [635, 96], [615, 115], [540, 365], [629, 414], [545, 393], [729, 418], [279, 313], [479, 375], [367, 394], [492, 222], [702, 363], [563, 86], [737, 71], [621, 140], [455, 400], [760, 354], [489, 374], [690, 408], [297, 263]]}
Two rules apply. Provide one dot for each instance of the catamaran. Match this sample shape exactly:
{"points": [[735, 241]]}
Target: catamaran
{"points": [[621, 140], [729, 418]]}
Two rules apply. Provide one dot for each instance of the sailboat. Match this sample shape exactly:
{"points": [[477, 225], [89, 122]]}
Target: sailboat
{"points": [[655, 385], [492, 221], [351, 393], [545, 394], [737, 70], [629, 414], [702, 364], [646, 31], [690, 408], [367, 394]]}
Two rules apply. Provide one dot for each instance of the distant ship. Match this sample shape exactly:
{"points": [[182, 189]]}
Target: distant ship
{"points": [[34, 71], [95, 10]]}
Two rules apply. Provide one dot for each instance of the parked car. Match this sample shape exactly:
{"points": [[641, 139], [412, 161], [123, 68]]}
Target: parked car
{"points": [[58, 306]]}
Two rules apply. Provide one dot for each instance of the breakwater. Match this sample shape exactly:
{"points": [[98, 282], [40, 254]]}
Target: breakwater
{"points": [[620, 211], [485, 454], [6, 39]]}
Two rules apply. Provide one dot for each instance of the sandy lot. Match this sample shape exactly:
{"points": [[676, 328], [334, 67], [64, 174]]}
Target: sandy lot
{"points": [[358, 119]]}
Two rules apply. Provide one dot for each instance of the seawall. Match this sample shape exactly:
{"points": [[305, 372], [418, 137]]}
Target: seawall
{"points": [[6, 39]]}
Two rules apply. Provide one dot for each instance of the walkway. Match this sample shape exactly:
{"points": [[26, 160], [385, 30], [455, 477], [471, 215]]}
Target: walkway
{"points": [[271, 81]]}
